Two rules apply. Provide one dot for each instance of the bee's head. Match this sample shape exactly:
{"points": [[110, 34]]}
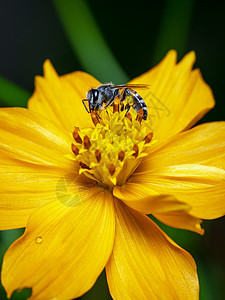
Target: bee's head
{"points": [[92, 97]]}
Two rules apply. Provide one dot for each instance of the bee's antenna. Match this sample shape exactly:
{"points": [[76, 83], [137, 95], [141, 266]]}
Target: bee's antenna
{"points": [[98, 115], [85, 105]]}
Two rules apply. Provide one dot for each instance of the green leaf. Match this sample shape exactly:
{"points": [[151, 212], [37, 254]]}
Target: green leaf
{"points": [[11, 94]]}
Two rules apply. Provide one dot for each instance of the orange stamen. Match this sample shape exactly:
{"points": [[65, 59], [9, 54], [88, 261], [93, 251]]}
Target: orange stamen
{"points": [[76, 128], [116, 105], [87, 143], [136, 149], [112, 169], [129, 116], [77, 137], [74, 149], [148, 138], [98, 155], [140, 115], [94, 117], [83, 166], [121, 155]]}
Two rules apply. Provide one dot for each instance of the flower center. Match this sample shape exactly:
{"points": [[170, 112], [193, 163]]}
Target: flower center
{"points": [[111, 151]]}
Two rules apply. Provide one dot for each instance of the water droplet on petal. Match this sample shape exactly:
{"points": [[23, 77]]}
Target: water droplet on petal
{"points": [[39, 240]]}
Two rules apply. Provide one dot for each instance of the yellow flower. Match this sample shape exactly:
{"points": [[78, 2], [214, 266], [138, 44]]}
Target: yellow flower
{"points": [[84, 207]]}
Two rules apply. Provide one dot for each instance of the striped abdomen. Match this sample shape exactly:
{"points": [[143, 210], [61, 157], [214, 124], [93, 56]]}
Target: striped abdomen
{"points": [[138, 103]]}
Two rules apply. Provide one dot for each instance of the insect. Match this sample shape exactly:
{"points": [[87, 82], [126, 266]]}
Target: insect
{"points": [[106, 94]]}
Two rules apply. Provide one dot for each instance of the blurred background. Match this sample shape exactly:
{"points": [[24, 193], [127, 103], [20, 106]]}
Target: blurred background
{"points": [[116, 41]]}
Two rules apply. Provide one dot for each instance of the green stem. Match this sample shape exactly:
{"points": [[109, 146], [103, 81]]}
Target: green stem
{"points": [[11, 94], [87, 41], [174, 28]]}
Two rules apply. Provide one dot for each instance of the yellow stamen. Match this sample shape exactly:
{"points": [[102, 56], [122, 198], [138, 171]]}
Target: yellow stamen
{"points": [[114, 148]]}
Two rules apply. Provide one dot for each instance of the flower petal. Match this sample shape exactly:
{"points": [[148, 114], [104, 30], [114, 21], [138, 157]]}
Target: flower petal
{"points": [[164, 207], [60, 98], [63, 250], [33, 157], [178, 96], [200, 184], [203, 144], [146, 263], [24, 189], [29, 137], [202, 187]]}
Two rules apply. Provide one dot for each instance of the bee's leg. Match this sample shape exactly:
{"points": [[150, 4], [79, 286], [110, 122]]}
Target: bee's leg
{"points": [[127, 107], [123, 95], [110, 102], [98, 115], [123, 98], [98, 108], [85, 105]]}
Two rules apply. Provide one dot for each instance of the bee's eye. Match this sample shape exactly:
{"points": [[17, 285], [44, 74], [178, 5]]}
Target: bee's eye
{"points": [[95, 94]]}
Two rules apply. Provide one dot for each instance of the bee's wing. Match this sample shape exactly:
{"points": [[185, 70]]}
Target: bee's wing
{"points": [[130, 85], [158, 110]]}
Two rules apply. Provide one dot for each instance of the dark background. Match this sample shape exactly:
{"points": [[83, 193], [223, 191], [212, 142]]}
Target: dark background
{"points": [[30, 32]]}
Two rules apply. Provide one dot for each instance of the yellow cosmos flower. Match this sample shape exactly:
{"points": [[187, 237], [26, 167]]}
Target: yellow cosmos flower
{"points": [[82, 187]]}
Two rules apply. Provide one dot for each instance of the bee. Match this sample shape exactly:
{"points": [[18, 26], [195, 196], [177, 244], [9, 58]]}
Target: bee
{"points": [[105, 94]]}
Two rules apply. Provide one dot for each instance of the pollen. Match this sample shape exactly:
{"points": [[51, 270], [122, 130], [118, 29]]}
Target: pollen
{"points": [[112, 149]]}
